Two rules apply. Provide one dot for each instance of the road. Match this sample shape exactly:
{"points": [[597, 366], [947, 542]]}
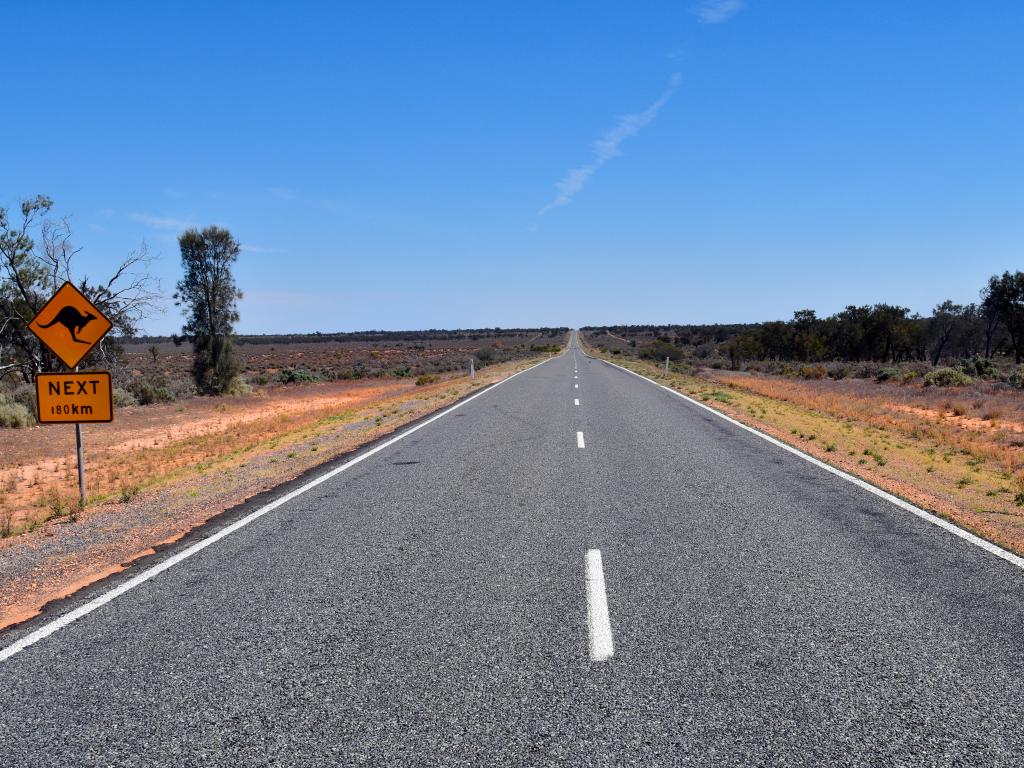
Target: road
{"points": [[575, 567]]}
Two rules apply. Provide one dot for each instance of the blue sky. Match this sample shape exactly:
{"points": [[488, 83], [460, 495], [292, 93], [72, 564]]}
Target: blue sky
{"points": [[410, 165]]}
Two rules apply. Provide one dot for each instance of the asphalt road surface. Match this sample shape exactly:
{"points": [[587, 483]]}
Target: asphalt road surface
{"points": [[575, 567]]}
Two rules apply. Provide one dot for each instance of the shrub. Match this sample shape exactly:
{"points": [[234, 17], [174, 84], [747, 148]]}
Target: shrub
{"points": [[150, 392], [976, 366], [426, 378], [887, 374], [237, 386], [25, 394], [947, 377], [15, 415], [485, 355], [659, 350], [1016, 378], [297, 376], [123, 398], [909, 376], [839, 372], [812, 371]]}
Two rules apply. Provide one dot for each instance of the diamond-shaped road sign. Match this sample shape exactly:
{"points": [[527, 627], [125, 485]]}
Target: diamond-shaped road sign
{"points": [[70, 325]]}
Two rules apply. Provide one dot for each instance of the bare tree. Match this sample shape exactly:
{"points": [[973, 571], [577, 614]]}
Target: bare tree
{"points": [[36, 257]]}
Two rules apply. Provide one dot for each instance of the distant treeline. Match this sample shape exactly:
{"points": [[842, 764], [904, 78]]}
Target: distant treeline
{"points": [[431, 334], [991, 327]]}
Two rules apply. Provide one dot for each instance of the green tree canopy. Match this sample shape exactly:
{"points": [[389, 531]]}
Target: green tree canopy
{"points": [[210, 297]]}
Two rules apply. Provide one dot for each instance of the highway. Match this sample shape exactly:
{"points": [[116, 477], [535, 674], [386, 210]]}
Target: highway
{"points": [[575, 567]]}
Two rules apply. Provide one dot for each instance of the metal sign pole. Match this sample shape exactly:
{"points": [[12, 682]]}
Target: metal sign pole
{"points": [[81, 466], [81, 461]]}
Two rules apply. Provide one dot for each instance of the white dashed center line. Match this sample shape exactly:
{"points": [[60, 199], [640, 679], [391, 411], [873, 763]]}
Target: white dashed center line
{"points": [[576, 385], [601, 647], [579, 440], [577, 401]]}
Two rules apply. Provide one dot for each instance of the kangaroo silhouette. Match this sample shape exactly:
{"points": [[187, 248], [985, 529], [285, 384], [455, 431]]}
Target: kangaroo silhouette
{"points": [[73, 320]]}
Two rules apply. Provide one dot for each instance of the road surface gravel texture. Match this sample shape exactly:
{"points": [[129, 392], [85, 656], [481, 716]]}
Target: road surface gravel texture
{"points": [[429, 606]]}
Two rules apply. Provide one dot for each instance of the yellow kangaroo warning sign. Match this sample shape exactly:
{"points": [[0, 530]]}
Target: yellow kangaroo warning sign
{"points": [[70, 398], [70, 325]]}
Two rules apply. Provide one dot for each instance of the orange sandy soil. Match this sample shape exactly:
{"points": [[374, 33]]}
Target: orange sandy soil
{"points": [[956, 453], [158, 471]]}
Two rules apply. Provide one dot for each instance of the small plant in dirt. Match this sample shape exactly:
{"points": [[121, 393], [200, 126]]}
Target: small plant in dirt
{"points": [[947, 377], [6, 522], [127, 493], [880, 460], [59, 505], [426, 378]]}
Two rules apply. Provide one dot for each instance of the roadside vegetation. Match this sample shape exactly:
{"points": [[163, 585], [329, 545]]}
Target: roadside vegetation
{"points": [[947, 441], [882, 341]]}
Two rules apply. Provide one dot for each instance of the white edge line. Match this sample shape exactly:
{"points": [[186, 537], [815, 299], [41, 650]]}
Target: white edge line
{"points": [[601, 645], [83, 610], [956, 530]]}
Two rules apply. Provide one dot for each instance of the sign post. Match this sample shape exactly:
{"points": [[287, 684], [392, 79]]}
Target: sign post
{"points": [[81, 465], [71, 326]]}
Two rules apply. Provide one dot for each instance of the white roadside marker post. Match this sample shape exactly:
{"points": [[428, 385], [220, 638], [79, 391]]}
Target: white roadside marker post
{"points": [[666, 366], [472, 368]]}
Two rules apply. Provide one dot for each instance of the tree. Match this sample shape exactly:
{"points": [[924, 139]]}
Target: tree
{"points": [[210, 296], [807, 342], [944, 322], [1004, 298], [36, 258]]}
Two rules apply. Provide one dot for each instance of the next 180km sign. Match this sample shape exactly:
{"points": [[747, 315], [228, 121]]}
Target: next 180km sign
{"points": [[66, 398]]}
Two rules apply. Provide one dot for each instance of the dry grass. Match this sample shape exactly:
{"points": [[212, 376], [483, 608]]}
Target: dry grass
{"points": [[244, 430], [962, 459]]}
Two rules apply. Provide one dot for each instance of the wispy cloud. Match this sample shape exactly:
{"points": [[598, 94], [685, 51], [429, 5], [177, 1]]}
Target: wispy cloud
{"points": [[246, 248], [161, 222], [718, 11], [607, 147]]}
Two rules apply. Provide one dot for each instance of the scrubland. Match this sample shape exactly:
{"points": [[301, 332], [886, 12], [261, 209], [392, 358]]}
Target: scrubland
{"points": [[957, 451]]}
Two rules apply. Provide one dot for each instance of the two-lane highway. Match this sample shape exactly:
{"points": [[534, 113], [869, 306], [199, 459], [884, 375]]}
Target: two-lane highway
{"points": [[574, 567]]}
